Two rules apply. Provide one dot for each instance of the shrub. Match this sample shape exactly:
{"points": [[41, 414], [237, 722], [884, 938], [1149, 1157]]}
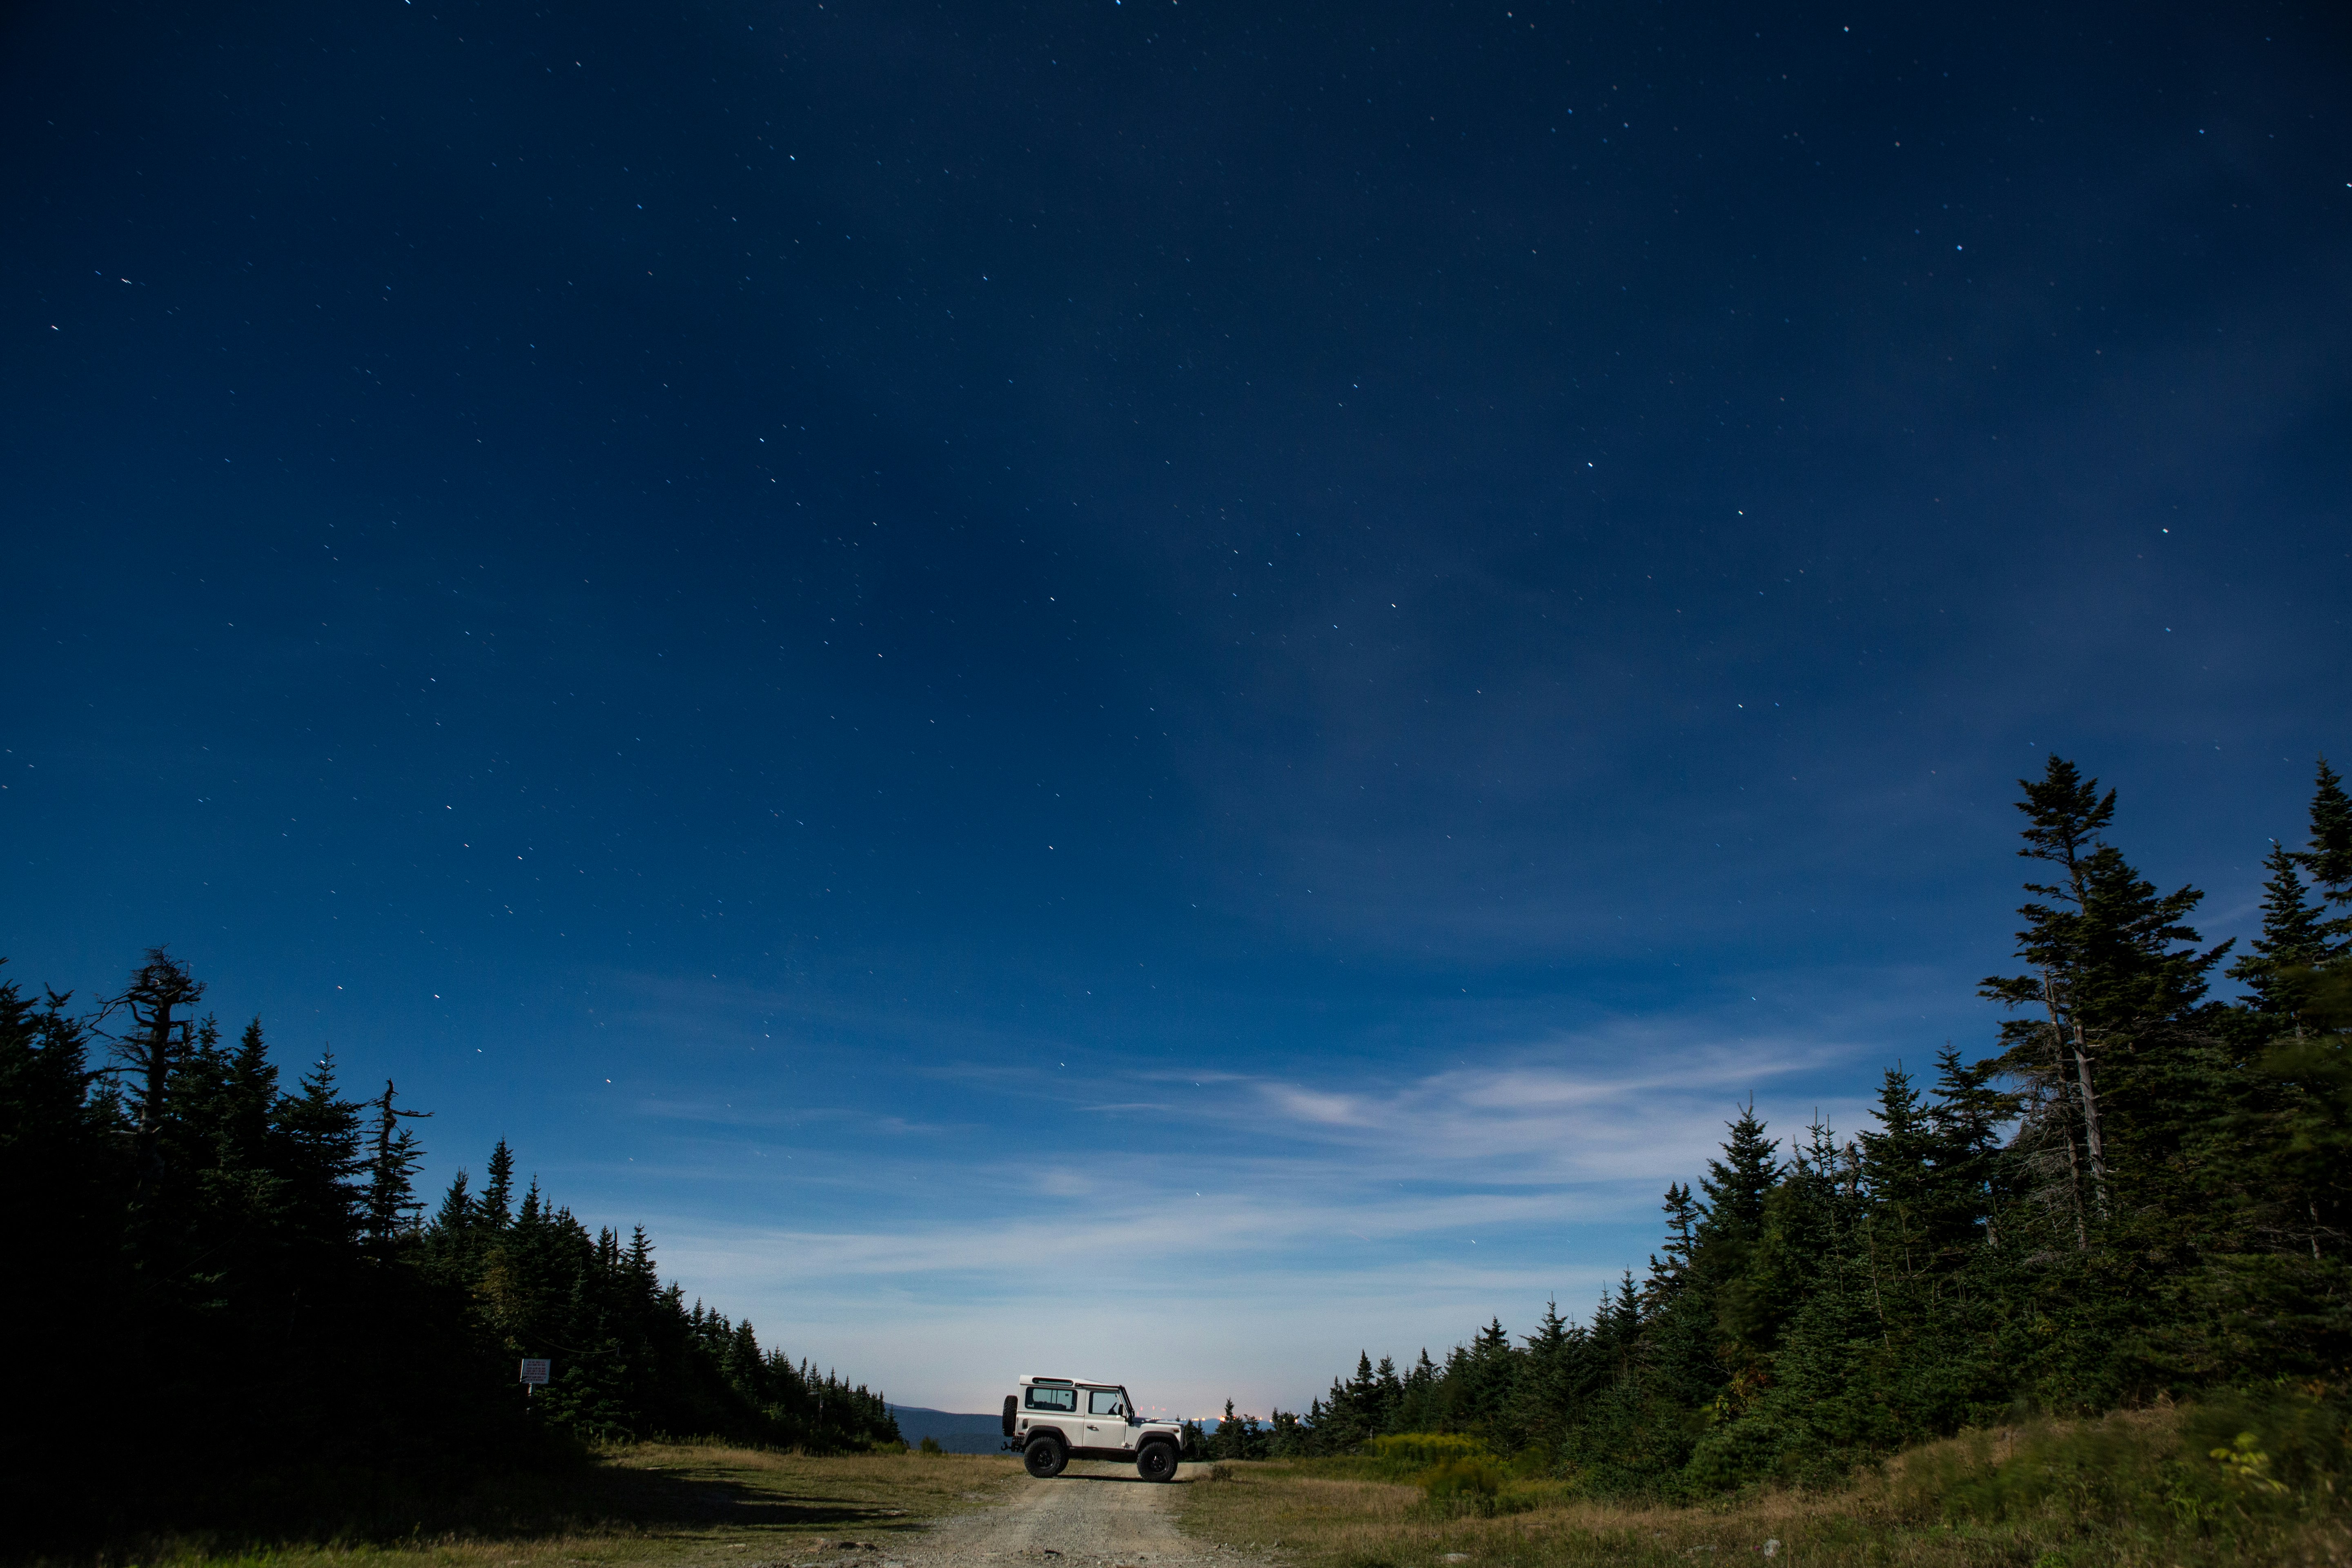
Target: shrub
{"points": [[2236, 1468], [1463, 1481]]}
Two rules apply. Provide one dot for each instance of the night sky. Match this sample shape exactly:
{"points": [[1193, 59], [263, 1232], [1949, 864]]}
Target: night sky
{"points": [[1233, 671]]}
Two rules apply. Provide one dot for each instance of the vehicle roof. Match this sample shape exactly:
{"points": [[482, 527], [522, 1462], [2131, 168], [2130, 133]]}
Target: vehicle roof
{"points": [[1074, 1381]]}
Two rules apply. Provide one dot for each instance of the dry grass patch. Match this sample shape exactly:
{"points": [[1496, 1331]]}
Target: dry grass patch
{"points": [[649, 1503]]}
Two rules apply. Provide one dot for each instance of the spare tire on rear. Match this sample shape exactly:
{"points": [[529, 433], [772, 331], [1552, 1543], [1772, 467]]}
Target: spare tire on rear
{"points": [[1011, 1404], [1043, 1458], [1156, 1461]]}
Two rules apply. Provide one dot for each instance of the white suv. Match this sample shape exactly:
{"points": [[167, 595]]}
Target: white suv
{"points": [[1053, 1420]]}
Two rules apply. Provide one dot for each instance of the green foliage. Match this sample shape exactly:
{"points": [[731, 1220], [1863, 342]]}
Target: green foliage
{"points": [[2228, 1472], [2140, 1194], [1471, 1485]]}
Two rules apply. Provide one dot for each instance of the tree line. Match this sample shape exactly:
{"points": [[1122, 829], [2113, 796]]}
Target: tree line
{"points": [[2141, 1191], [228, 1284]]}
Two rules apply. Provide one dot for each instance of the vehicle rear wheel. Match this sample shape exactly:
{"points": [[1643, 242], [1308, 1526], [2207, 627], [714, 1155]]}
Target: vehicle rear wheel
{"points": [[1043, 1458], [1157, 1462]]}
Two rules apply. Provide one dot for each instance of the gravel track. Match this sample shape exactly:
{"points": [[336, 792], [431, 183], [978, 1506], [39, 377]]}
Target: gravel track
{"points": [[1093, 1515]]}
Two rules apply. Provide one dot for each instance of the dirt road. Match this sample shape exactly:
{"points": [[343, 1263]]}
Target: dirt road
{"points": [[1092, 1516]]}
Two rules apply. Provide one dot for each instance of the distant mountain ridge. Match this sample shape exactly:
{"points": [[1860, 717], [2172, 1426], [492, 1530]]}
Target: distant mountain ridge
{"points": [[958, 1434]]}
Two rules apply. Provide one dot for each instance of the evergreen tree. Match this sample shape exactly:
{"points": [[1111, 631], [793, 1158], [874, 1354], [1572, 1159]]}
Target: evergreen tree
{"points": [[319, 1136], [496, 1209], [1735, 1185], [1682, 1215], [1388, 1393], [2110, 982], [2329, 859], [1553, 1379], [2279, 969], [1898, 1176], [1965, 1116], [1737, 1264], [457, 1210]]}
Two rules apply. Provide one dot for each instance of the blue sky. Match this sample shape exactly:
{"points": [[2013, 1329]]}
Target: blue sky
{"points": [[1129, 689]]}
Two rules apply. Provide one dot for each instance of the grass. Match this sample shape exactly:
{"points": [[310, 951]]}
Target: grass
{"points": [[641, 1504], [2137, 1487]]}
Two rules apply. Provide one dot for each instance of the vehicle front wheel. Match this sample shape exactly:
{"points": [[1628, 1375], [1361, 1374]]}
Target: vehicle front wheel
{"points": [[1157, 1462], [1044, 1458]]}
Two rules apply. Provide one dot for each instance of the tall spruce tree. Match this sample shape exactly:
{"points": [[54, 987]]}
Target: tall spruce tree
{"points": [[2110, 990], [2329, 859], [2281, 966], [2065, 817]]}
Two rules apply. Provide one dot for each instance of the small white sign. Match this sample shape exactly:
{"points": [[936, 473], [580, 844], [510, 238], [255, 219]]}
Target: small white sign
{"points": [[534, 1370]]}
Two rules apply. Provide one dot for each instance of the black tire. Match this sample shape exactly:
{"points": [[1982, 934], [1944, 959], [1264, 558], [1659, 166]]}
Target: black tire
{"points": [[1044, 1458], [1156, 1461], [1011, 1404]]}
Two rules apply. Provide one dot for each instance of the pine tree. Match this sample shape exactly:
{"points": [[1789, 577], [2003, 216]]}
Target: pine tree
{"points": [[1388, 1393], [1483, 1382], [1736, 1185], [1552, 1381], [1897, 1176], [2294, 943], [2329, 859], [2066, 817], [1682, 1214], [1965, 1116], [1735, 1281], [319, 1133], [1363, 1392], [456, 1208], [1421, 1408], [2109, 977], [496, 1209], [248, 1092]]}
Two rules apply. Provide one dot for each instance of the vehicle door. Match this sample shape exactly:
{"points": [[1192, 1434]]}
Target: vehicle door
{"points": [[1107, 1425]]}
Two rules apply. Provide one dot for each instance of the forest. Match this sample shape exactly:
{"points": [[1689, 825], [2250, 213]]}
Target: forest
{"points": [[2139, 1194], [228, 1290]]}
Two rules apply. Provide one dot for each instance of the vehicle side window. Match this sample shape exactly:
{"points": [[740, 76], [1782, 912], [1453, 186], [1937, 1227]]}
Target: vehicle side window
{"points": [[1104, 1402], [1064, 1399]]}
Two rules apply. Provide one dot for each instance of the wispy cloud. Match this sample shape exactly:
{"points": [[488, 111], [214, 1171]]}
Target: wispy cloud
{"points": [[1410, 1193]]}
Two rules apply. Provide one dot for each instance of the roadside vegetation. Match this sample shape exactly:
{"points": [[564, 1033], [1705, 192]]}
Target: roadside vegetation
{"points": [[2143, 1196], [2230, 1483]]}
